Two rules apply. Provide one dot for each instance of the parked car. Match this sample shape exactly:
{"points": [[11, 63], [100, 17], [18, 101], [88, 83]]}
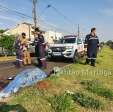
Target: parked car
{"points": [[70, 47]]}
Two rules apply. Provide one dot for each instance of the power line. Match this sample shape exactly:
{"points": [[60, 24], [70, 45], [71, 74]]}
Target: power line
{"points": [[67, 19], [58, 11], [54, 26], [24, 15], [15, 11]]}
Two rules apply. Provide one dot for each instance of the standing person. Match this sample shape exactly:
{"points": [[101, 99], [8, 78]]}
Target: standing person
{"points": [[40, 47], [92, 44], [26, 54], [18, 49]]}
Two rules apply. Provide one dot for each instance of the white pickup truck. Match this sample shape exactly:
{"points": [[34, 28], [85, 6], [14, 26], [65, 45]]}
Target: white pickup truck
{"points": [[70, 47]]}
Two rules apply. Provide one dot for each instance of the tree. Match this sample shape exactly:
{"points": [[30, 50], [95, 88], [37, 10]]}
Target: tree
{"points": [[2, 31], [6, 42], [110, 43]]}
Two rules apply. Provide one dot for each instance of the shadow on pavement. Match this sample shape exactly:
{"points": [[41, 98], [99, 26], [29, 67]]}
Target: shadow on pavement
{"points": [[60, 60]]}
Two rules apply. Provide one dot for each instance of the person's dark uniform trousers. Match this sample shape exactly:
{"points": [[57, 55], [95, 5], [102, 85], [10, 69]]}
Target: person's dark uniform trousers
{"points": [[40, 48], [92, 44]]}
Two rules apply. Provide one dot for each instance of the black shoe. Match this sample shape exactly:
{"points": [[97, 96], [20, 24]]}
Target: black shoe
{"points": [[93, 65], [86, 63]]}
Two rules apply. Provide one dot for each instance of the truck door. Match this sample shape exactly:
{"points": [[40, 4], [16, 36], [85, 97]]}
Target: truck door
{"points": [[80, 45]]}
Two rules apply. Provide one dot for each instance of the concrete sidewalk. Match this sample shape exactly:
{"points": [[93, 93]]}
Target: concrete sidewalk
{"points": [[7, 58]]}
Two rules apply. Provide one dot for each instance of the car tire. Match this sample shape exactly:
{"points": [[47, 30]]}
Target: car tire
{"points": [[75, 57]]}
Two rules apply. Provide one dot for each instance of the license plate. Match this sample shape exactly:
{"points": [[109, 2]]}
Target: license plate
{"points": [[56, 53]]}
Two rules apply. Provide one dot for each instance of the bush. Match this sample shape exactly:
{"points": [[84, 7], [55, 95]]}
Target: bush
{"points": [[86, 101], [6, 42], [61, 103], [2, 31], [97, 88], [110, 44]]}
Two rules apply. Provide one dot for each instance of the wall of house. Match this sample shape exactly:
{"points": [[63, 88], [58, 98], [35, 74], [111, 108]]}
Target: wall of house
{"points": [[50, 36], [26, 28]]}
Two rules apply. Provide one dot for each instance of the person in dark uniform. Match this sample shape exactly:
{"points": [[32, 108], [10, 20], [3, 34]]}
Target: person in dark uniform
{"points": [[40, 46], [18, 49], [92, 44]]}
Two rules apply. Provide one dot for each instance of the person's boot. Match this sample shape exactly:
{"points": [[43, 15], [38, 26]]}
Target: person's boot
{"points": [[39, 63], [93, 62], [87, 61], [19, 64], [44, 64]]}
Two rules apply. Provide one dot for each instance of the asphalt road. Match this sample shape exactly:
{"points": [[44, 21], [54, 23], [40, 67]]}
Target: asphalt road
{"points": [[8, 69]]}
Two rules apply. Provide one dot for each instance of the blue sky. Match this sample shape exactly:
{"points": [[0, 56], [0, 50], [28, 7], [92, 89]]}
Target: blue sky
{"points": [[87, 13]]}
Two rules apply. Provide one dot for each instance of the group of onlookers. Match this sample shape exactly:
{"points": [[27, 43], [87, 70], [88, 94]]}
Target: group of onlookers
{"points": [[23, 55], [22, 49]]}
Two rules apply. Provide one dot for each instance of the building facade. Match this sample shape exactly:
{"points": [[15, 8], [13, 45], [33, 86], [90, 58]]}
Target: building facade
{"points": [[20, 28], [50, 36]]}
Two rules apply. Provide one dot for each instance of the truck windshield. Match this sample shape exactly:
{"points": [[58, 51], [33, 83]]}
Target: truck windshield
{"points": [[69, 40]]}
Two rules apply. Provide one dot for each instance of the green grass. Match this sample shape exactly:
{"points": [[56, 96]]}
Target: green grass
{"points": [[87, 101], [70, 78], [61, 103], [8, 108], [97, 88]]}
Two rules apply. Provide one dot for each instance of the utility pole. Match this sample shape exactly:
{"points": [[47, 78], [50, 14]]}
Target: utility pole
{"points": [[78, 31], [34, 13]]}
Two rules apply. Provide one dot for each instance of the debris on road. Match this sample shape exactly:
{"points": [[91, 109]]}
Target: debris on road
{"points": [[11, 78]]}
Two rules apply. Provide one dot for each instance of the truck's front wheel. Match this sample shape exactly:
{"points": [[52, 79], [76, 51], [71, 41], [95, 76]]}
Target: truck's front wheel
{"points": [[75, 57]]}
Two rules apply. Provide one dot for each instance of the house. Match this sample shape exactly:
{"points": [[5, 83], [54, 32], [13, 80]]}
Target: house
{"points": [[20, 28], [50, 36]]}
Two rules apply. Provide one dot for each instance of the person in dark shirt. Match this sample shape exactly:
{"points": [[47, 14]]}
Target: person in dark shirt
{"points": [[40, 48], [18, 49], [92, 44]]}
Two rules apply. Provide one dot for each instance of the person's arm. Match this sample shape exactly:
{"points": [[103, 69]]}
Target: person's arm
{"points": [[98, 43], [43, 40], [35, 41], [15, 42], [86, 41]]}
